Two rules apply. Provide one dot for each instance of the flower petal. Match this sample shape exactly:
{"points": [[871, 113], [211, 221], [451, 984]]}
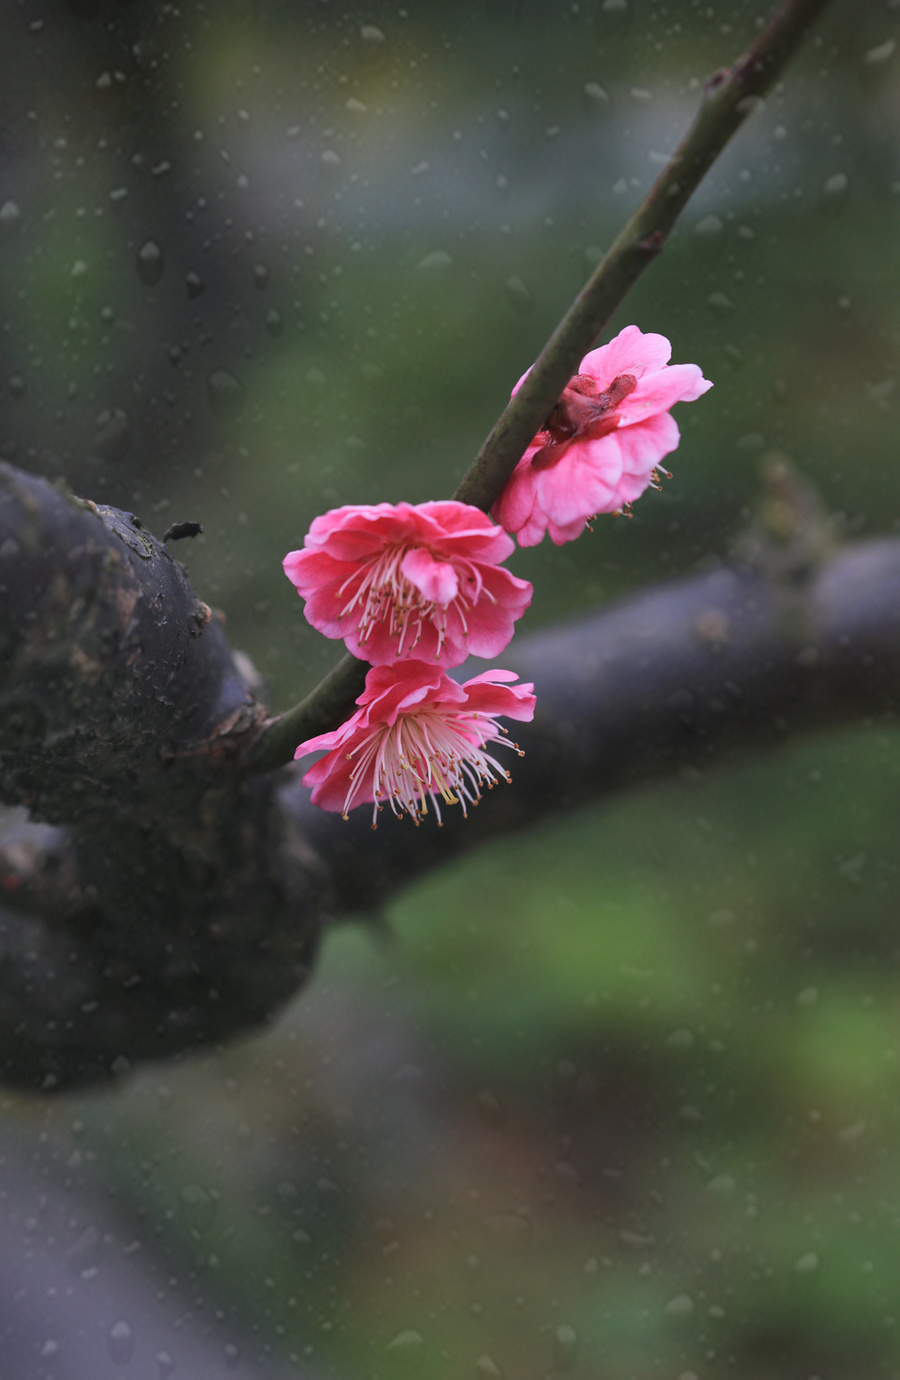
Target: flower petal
{"points": [[436, 581], [630, 352]]}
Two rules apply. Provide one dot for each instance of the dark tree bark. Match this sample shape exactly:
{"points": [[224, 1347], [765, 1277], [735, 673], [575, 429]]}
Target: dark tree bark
{"points": [[167, 899], [179, 904]]}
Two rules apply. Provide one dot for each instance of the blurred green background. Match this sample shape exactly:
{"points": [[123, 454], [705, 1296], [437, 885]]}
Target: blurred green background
{"points": [[619, 1098]]}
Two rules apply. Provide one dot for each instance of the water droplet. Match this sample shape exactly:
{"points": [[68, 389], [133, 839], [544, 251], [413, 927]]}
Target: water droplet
{"points": [[882, 53], [718, 302], [837, 185], [808, 997], [150, 263], [199, 1207], [274, 322], [10, 215], [722, 1185], [165, 1366], [518, 296], [436, 262], [408, 1342], [514, 1228], [807, 1263], [682, 1306], [595, 93], [486, 1368], [680, 1039], [565, 1348], [260, 276], [225, 394], [709, 226], [85, 1250], [232, 1355], [16, 385], [113, 436], [370, 34], [120, 1342], [489, 1108], [194, 284]]}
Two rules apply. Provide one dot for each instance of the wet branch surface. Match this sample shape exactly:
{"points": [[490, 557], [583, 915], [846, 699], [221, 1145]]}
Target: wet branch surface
{"points": [[155, 901], [175, 905]]}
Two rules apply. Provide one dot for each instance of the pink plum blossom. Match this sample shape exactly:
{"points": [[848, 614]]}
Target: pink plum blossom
{"points": [[602, 443], [404, 580], [417, 736]]}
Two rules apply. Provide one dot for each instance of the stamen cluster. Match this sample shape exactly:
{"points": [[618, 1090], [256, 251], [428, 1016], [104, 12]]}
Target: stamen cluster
{"points": [[418, 736]]}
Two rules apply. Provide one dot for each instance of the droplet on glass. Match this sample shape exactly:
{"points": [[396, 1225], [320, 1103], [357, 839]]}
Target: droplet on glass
{"points": [[408, 1342], [437, 261], [519, 296], [199, 1206], [10, 215], [274, 322], [807, 1263], [565, 1348], [595, 93], [112, 438], [719, 302], [165, 1366], [150, 263], [370, 34], [882, 53], [194, 284], [681, 1306], [709, 226], [260, 276], [837, 185], [120, 1342], [489, 1107], [224, 394], [486, 1368]]}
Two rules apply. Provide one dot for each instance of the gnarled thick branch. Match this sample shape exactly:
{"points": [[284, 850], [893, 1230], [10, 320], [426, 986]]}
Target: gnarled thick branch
{"points": [[176, 905], [172, 905]]}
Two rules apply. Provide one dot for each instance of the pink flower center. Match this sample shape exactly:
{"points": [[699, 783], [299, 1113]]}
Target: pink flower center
{"points": [[425, 755], [383, 592], [582, 414]]}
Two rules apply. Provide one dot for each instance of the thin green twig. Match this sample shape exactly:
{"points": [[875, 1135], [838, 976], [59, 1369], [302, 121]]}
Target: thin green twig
{"points": [[729, 96]]}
